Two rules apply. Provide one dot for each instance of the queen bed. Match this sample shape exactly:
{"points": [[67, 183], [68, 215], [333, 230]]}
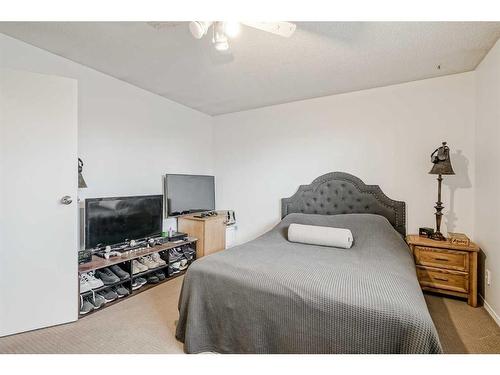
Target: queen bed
{"points": [[271, 295]]}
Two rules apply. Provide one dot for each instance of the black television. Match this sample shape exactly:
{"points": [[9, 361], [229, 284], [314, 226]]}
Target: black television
{"points": [[186, 193], [110, 221]]}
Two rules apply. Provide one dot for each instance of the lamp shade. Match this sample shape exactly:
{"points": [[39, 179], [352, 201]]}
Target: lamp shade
{"points": [[81, 180], [441, 161]]}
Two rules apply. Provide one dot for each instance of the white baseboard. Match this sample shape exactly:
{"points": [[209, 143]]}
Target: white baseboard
{"points": [[490, 310]]}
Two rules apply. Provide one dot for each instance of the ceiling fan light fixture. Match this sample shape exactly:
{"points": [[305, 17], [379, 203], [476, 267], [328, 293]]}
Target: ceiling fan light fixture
{"points": [[220, 39], [232, 29], [199, 28], [221, 45]]}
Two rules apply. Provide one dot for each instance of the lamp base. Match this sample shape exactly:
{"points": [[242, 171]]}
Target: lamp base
{"points": [[437, 236]]}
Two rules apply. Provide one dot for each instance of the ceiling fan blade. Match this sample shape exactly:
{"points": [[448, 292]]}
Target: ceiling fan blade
{"points": [[282, 28]]}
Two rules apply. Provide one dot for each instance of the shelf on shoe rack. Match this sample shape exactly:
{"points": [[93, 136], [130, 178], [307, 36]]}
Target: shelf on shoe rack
{"points": [[149, 286], [98, 262], [143, 288], [107, 304]]}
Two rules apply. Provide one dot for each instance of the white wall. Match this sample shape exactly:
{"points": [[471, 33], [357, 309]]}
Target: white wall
{"points": [[487, 189], [384, 136], [127, 137]]}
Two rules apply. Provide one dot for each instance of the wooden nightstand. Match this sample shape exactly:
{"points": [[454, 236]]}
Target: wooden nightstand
{"points": [[446, 268]]}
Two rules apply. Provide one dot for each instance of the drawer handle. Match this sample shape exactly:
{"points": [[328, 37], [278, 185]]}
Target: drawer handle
{"points": [[441, 278], [443, 259]]}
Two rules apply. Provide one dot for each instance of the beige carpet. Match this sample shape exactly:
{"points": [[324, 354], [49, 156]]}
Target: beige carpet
{"points": [[145, 324]]}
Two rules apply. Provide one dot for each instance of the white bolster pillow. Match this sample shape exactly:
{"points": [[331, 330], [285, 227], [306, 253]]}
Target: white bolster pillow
{"points": [[316, 235]]}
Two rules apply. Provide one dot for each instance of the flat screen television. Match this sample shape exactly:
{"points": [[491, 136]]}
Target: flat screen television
{"points": [[110, 221], [189, 193]]}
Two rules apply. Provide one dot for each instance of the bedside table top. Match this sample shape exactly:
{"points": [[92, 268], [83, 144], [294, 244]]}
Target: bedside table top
{"points": [[415, 239]]}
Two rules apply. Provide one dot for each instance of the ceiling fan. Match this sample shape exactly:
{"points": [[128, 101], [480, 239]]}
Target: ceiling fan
{"points": [[222, 31]]}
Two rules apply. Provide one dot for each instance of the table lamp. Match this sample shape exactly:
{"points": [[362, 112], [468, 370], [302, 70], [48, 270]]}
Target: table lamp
{"points": [[81, 180], [442, 166]]}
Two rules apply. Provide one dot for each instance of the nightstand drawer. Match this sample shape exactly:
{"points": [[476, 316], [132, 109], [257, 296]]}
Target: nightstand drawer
{"points": [[441, 258], [448, 280]]}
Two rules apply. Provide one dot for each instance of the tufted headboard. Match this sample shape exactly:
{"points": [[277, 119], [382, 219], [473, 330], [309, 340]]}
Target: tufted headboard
{"points": [[342, 193]]}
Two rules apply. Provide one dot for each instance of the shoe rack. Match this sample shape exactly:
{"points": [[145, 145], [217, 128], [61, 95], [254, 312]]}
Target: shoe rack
{"points": [[125, 262]]}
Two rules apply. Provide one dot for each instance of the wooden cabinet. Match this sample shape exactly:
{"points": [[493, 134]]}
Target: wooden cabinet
{"points": [[210, 232], [446, 268]]}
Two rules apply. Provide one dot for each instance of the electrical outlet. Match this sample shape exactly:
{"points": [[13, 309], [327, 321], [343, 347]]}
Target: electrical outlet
{"points": [[487, 276]]}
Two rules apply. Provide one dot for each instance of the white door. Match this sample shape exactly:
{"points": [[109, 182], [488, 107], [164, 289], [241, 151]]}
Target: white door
{"points": [[38, 234]]}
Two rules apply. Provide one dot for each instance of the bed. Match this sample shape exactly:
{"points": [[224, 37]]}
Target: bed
{"points": [[274, 296]]}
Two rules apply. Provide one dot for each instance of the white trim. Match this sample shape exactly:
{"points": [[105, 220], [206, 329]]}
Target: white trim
{"points": [[490, 311]]}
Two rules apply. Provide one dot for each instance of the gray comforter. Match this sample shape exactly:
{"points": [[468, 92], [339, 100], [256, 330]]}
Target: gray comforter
{"points": [[274, 296]]}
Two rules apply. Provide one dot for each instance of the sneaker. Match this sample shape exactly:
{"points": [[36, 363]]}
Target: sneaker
{"points": [[188, 253], [157, 258], [135, 285], [138, 267], [118, 271], [138, 282], [173, 270], [108, 295], [85, 306], [160, 275], [97, 300], [94, 281], [148, 262], [154, 262], [107, 276], [84, 283], [175, 254], [121, 291], [152, 279], [183, 264]]}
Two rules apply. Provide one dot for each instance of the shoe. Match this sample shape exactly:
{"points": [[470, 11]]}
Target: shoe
{"points": [[107, 276], [97, 300], [108, 295], [172, 269], [117, 270], [154, 262], [148, 262], [157, 258], [135, 285], [85, 306], [183, 264], [94, 281], [84, 283], [138, 267], [152, 279], [188, 253], [138, 282], [160, 275], [121, 291], [175, 255]]}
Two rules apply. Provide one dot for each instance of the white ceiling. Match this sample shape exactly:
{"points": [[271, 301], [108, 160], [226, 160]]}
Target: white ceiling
{"points": [[321, 58]]}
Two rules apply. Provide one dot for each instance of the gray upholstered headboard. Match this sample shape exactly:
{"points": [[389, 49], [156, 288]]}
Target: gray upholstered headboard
{"points": [[342, 193]]}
